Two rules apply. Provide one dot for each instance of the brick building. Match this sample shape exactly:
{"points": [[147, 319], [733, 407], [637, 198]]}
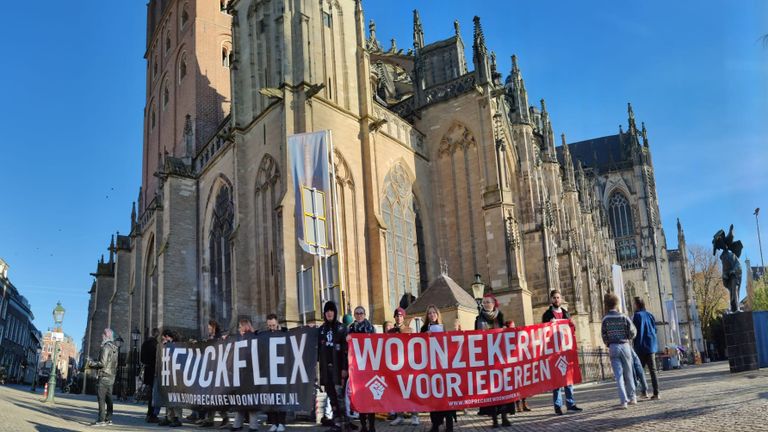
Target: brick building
{"points": [[67, 354]]}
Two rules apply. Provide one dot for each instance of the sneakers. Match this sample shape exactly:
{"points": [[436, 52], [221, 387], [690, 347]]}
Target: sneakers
{"points": [[414, 420], [655, 397], [273, 428], [397, 421], [325, 421], [99, 424], [645, 396], [175, 423], [558, 410], [622, 406], [574, 408], [281, 428]]}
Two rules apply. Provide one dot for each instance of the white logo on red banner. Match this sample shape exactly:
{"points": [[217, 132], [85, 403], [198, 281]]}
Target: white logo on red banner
{"points": [[377, 386]]}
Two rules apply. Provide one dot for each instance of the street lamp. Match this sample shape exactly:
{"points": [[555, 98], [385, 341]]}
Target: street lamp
{"points": [[37, 364], [478, 289], [57, 334], [135, 335], [119, 342]]}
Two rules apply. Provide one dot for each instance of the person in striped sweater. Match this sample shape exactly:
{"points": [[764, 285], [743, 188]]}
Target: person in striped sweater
{"points": [[618, 331]]}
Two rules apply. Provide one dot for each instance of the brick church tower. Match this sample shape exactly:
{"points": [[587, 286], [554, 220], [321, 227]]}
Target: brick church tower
{"points": [[189, 47]]}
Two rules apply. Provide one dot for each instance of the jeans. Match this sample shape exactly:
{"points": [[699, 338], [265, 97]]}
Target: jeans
{"points": [[637, 368], [621, 362], [569, 400], [253, 420], [647, 359], [104, 397]]}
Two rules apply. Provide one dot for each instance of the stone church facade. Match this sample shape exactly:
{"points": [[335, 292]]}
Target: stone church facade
{"points": [[440, 166]]}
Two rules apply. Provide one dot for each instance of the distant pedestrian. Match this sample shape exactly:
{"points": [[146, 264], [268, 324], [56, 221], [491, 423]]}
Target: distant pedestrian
{"points": [[275, 418], [557, 311], [148, 358], [362, 325], [106, 365], [617, 332], [646, 344]]}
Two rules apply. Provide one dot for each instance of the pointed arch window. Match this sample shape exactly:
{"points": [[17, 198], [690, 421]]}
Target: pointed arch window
{"points": [[167, 42], [220, 254], [403, 237], [620, 216], [182, 67], [226, 56], [166, 95], [184, 16], [152, 117]]}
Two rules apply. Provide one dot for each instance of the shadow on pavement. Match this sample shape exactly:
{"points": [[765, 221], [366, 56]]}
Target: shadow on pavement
{"points": [[44, 428]]}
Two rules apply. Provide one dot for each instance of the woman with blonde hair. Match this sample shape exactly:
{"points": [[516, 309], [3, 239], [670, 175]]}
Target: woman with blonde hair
{"points": [[433, 323]]}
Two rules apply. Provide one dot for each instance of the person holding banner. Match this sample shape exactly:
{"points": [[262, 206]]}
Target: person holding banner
{"points": [[332, 357], [244, 327], [362, 325], [400, 327], [214, 333], [172, 414], [618, 331], [433, 324], [489, 318], [275, 418], [556, 312]]}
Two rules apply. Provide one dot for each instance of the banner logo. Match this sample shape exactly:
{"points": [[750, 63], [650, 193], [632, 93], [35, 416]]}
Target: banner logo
{"points": [[377, 386], [562, 365]]}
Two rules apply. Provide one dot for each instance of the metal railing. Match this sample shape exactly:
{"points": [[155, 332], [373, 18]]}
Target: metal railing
{"points": [[595, 365]]}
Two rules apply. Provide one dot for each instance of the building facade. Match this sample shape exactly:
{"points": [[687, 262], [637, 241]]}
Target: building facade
{"points": [[440, 167], [66, 358], [19, 338]]}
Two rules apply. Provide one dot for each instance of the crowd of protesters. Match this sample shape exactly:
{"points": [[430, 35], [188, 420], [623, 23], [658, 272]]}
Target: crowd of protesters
{"points": [[618, 332]]}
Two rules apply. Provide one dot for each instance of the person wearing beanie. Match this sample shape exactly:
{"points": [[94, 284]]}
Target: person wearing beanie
{"points": [[332, 358]]}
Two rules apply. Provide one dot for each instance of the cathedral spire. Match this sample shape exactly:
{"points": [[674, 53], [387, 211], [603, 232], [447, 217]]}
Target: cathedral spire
{"points": [[112, 249], [631, 115], [644, 132], [133, 216], [569, 182], [480, 54], [517, 97], [418, 31]]}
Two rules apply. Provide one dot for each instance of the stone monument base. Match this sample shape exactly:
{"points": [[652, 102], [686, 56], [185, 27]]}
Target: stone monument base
{"points": [[740, 341]]}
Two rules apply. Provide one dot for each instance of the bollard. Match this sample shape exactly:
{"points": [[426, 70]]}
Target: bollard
{"points": [[45, 391]]}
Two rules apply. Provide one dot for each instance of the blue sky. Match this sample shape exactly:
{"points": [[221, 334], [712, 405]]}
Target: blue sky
{"points": [[73, 86]]}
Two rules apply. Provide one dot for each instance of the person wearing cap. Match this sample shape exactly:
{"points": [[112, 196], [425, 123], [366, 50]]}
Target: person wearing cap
{"points": [[332, 357], [489, 318], [400, 327]]}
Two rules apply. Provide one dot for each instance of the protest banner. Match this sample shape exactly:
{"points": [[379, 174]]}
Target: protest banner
{"points": [[267, 371], [456, 370]]}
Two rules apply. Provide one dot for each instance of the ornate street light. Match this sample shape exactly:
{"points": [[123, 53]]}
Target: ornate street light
{"points": [[478, 289], [135, 336], [57, 334]]}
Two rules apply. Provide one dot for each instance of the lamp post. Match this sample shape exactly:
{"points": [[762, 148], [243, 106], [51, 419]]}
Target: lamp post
{"points": [[135, 335], [37, 364], [119, 342], [759, 242], [58, 318], [478, 289]]}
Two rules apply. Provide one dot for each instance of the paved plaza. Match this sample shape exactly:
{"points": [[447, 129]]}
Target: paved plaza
{"points": [[696, 398]]}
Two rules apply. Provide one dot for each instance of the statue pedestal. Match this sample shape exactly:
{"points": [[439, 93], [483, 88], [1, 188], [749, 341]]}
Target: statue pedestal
{"points": [[740, 341]]}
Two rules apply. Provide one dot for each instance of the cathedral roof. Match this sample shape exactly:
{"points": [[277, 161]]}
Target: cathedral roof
{"points": [[601, 154], [442, 292]]}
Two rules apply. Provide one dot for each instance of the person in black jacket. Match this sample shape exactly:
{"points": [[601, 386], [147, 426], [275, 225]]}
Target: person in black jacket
{"points": [[106, 365], [148, 358], [332, 357], [433, 323], [556, 311], [489, 318]]}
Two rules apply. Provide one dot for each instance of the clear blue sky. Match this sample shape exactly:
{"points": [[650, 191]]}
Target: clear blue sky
{"points": [[73, 87]]}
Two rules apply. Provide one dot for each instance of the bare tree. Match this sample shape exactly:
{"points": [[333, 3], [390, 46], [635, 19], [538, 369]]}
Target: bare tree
{"points": [[711, 296]]}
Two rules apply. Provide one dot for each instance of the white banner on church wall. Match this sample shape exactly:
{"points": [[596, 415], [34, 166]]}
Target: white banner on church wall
{"points": [[618, 286]]}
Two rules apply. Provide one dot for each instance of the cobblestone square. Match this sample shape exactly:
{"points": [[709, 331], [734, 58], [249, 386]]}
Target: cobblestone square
{"points": [[696, 398]]}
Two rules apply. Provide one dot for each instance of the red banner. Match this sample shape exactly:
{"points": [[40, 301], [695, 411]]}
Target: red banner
{"points": [[456, 370]]}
